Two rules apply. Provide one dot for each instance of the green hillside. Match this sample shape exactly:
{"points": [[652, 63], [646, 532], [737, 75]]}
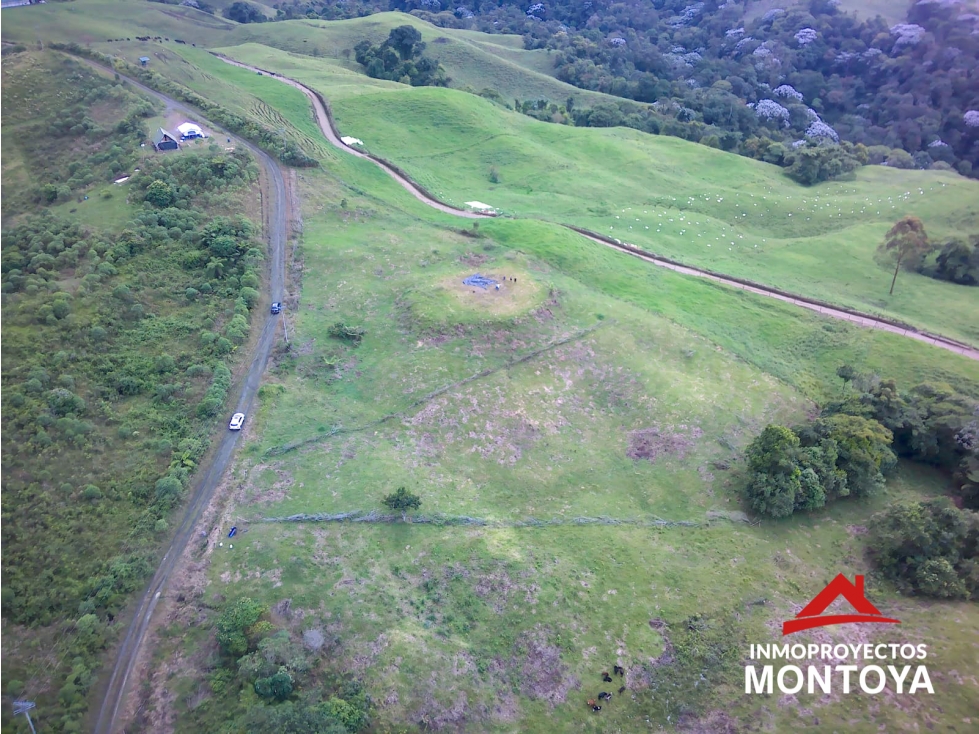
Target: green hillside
{"points": [[470, 58], [576, 438], [699, 205]]}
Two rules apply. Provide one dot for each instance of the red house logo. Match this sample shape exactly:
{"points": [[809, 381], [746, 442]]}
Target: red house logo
{"points": [[812, 614]]}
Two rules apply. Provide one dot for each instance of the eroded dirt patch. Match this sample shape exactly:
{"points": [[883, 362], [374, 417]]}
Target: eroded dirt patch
{"points": [[542, 674], [659, 441]]}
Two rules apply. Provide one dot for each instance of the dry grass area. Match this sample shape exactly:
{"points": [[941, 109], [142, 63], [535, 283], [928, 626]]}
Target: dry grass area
{"points": [[517, 293]]}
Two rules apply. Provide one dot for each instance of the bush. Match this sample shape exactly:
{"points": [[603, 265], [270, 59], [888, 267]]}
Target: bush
{"points": [[277, 687], [806, 467], [928, 548], [160, 194], [251, 296], [235, 625], [91, 492], [168, 490], [339, 330]]}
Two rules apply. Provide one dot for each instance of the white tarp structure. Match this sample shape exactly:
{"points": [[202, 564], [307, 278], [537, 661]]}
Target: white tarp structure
{"points": [[190, 130], [347, 140], [480, 206]]}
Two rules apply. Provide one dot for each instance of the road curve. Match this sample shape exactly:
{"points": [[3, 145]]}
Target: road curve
{"points": [[325, 121], [330, 132], [128, 652]]}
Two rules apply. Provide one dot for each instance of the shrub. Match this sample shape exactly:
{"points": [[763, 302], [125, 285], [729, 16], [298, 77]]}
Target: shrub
{"points": [[928, 548], [235, 625], [91, 492], [160, 194], [251, 296], [168, 490]]}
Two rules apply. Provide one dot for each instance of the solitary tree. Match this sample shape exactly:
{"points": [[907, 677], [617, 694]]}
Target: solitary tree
{"points": [[846, 373], [907, 242], [402, 501]]}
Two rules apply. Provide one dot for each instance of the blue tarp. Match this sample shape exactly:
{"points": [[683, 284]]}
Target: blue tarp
{"points": [[481, 280]]}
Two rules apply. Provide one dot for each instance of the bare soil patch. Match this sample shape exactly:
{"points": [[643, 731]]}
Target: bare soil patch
{"points": [[537, 664], [652, 443]]}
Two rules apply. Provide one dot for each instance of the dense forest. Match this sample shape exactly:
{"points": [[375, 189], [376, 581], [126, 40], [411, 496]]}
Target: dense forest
{"points": [[761, 84]]}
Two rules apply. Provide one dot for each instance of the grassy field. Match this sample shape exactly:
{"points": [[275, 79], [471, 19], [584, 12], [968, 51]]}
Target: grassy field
{"points": [[594, 386], [707, 208], [797, 347], [473, 59], [508, 628]]}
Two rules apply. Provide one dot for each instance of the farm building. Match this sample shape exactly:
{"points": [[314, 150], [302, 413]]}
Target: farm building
{"points": [[189, 131], [144, 60], [162, 140]]}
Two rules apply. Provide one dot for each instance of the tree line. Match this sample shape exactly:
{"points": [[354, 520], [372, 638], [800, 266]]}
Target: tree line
{"points": [[931, 547]]}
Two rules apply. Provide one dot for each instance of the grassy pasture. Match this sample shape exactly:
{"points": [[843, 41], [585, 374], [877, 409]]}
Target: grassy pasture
{"points": [[470, 58], [95, 21], [799, 348], [508, 628], [704, 207]]}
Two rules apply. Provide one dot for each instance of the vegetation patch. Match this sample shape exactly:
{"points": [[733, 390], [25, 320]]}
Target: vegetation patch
{"points": [[118, 338]]}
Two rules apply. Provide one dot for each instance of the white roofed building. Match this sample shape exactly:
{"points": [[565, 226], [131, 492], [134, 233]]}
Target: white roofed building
{"points": [[189, 130]]}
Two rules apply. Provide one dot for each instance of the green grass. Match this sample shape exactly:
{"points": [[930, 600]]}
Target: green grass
{"points": [[470, 58], [704, 207], [100, 210], [423, 614]]}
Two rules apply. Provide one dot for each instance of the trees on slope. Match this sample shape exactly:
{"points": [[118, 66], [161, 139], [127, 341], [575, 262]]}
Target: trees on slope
{"points": [[400, 59]]}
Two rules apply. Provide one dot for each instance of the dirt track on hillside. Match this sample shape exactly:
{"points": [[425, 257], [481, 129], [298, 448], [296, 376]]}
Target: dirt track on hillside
{"points": [[129, 656], [330, 132]]}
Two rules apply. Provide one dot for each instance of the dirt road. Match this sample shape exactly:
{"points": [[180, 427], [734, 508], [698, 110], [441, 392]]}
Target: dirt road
{"points": [[329, 130], [275, 207]]}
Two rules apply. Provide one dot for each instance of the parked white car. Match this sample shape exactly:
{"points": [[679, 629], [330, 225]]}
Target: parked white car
{"points": [[236, 421]]}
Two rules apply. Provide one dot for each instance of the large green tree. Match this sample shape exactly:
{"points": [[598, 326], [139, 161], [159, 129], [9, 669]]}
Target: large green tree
{"points": [[774, 473]]}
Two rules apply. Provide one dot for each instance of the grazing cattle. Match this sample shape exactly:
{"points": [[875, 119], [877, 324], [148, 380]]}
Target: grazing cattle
{"points": [[621, 690], [618, 670], [596, 708], [606, 677], [603, 696], [591, 701]]}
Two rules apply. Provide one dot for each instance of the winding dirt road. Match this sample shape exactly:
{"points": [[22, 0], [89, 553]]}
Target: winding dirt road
{"points": [[328, 127], [128, 653]]}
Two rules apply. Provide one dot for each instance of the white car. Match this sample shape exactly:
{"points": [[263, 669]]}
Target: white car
{"points": [[236, 421]]}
